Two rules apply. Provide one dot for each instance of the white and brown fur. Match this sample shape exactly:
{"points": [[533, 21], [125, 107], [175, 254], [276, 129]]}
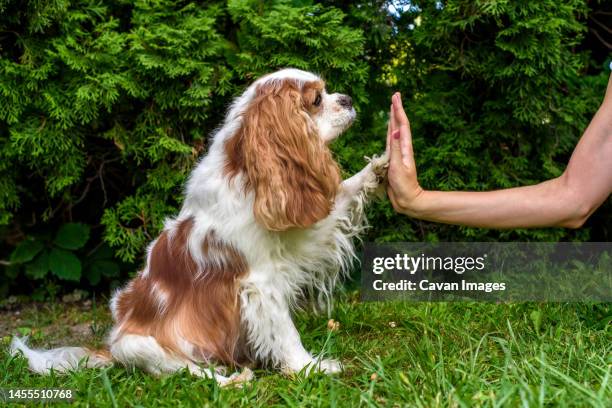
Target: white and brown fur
{"points": [[266, 219]]}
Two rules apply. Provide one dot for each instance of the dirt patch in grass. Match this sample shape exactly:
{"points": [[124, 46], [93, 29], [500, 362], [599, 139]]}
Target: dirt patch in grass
{"points": [[51, 324]]}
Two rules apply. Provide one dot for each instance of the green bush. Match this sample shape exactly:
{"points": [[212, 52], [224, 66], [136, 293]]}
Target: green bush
{"points": [[498, 96], [105, 106]]}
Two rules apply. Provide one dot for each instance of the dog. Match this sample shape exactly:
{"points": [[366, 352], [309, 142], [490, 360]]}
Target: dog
{"points": [[266, 221]]}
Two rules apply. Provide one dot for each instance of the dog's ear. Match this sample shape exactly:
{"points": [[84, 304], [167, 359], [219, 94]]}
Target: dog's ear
{"points": [[285, 162]]}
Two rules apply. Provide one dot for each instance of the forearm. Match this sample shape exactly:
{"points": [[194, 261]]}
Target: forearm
{"points": [[566, 201], [544, 204]]}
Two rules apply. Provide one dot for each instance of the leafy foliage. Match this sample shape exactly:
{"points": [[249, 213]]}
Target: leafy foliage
{"points": [[72, 236], [497, 97], [106, 106], [62, 256]]}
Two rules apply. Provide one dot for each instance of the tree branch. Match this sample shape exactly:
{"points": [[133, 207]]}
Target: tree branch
{"points": [[602, 25], [607, 44]]}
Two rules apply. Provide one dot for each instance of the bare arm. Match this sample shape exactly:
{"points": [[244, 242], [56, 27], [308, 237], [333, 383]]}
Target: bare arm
{"points": [[566, 201]]}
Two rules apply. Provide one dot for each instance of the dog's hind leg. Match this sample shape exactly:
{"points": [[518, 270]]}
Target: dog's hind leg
{"points": [[146, 353]]}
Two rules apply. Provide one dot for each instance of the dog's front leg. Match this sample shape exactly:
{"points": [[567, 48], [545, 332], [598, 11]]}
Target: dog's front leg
{"points": [[356, 190], [272, 335]]}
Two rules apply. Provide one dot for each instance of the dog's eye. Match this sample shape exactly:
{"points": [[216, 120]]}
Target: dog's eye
{"points": [[317, 100]]}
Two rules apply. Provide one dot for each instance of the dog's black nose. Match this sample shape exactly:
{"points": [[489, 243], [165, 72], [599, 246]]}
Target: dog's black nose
{"points": [[345, 101]]}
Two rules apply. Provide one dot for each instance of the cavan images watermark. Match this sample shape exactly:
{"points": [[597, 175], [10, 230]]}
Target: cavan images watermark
{"points": [[488, 271]]}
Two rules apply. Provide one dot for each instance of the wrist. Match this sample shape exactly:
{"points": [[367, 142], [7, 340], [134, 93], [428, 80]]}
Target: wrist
{"points": [[417, 206]]}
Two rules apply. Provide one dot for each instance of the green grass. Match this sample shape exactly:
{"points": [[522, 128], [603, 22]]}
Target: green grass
{"points": [[396, 354]]}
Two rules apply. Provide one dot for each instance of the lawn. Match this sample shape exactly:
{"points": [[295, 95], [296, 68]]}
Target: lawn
{"points": [[396, 354]]}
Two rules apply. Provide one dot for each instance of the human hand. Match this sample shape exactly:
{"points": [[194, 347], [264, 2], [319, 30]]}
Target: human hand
{"points": [[404, 190]]}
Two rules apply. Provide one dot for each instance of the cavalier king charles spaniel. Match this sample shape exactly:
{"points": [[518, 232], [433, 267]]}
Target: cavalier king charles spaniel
{"points": [[266, 221]]}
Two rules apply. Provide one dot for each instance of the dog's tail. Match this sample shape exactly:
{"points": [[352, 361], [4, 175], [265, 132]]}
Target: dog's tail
{"points": [[61, 359]]}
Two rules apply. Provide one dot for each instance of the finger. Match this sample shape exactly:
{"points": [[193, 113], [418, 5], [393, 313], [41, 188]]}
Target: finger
{"points": [[401, 119], [392, 123], [405, 148], [395, 155], [392, 115], [406, 134], [389, 131], [401, 147], [393, 111]]}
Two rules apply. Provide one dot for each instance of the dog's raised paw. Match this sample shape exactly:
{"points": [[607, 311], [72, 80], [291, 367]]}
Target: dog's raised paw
{"points": [[380, 165], [377, 178]]}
